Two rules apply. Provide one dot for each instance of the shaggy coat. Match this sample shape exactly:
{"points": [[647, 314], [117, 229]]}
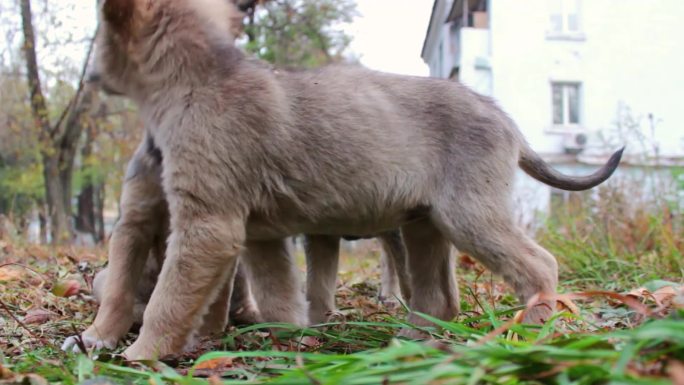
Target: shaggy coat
{"points": [[252, 156]]}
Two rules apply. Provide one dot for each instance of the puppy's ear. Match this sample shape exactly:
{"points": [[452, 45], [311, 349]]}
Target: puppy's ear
{"points": [[119, 13]]}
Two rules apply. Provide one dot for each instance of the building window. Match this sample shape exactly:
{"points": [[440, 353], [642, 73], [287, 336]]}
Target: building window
{"points": [[566, 104], [565, 17]]}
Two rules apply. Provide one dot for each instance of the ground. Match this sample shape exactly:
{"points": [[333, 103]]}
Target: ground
{"points": [[628, 334]]}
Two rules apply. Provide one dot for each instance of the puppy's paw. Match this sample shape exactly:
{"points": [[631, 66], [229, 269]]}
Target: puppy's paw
{"points": [[390, 302], [140, 351], [91, 343], [539, 314], [245, 315]]}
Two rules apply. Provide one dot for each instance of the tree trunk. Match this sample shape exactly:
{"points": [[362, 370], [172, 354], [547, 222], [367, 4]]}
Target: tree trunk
{"points": [[42, 221], [58, 213], [99, 194], [54, 194], [90, 214], [58, 143], [73, 128], [85, 217]]}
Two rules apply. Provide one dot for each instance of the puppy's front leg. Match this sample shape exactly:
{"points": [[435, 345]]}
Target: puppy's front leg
{"points": [[243, 309], [275, 282], [201, 256], [143, 213]]}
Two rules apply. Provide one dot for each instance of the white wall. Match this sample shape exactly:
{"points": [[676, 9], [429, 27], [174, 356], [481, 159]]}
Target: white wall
{"points": [[475, 53], [632, 53]]}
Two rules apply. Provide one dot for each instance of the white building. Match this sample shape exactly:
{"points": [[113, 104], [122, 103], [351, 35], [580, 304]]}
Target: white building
{"points": [[579, 77], [560, 67]]}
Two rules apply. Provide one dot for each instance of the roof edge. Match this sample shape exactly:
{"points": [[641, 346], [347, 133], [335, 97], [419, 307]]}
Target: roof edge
{"points": [[429, 28]]}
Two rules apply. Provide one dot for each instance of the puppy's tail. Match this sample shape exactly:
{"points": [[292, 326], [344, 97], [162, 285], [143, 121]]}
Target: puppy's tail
{"points": [[535, 167]]}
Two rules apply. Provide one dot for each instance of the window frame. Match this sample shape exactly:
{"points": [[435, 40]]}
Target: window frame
{"points": [[565, 32], [565, 104]]}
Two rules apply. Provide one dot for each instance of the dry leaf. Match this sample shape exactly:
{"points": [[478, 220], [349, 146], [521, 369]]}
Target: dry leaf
{"points": [[518, 317], [664, 295], [215, 364], [567, 304], [66, 289], [5, 374], [310, 342], [10, 274], [466, 262], [37, 316]]}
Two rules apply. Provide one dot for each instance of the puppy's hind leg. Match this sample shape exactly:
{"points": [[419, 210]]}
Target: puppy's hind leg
{"points": [[322, 260], [483, 227], [275, 282], [393, 269], [216, 319], [234, 302], [433, 277]]}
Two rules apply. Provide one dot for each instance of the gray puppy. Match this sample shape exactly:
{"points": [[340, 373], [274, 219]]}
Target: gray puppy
{"points": [[140, 237], [251, 157]]}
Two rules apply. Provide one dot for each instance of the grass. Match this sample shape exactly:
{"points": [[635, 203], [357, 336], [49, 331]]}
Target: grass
{"points": [[602, 245]]}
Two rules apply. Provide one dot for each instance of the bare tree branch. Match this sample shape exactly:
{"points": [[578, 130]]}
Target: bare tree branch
{"points": [[38, 104], [79, 90]]}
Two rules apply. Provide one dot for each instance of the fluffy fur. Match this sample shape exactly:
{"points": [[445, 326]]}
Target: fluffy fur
{"points": [[251, 156], [145, 171]]}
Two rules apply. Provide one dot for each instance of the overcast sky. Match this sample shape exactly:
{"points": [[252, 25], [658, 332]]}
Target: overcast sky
{"points": [[388, 34]]}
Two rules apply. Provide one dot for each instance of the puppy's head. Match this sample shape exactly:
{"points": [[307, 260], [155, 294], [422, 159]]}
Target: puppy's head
{"points": [[144, 44]]}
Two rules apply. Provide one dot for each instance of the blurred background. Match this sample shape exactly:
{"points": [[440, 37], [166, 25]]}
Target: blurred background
{"points": [[580, 77]]}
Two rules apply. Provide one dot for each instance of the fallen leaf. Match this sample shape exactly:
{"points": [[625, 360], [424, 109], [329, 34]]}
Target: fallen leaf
{"points": [[10, 274], [466, 262], [5, 374], [38, 316], [66, 289], [567, 304], [38, 252], [664, 295], [214, 364], [639, 293], [310, 342]]}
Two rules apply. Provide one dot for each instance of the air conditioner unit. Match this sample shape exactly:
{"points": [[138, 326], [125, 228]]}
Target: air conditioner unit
{"points": [[574, 142]]}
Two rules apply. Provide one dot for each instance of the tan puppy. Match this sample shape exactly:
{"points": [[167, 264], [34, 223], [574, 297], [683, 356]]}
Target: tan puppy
{"points": [[322, 264], [140, 187], [251, 157], [242, 309]]}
